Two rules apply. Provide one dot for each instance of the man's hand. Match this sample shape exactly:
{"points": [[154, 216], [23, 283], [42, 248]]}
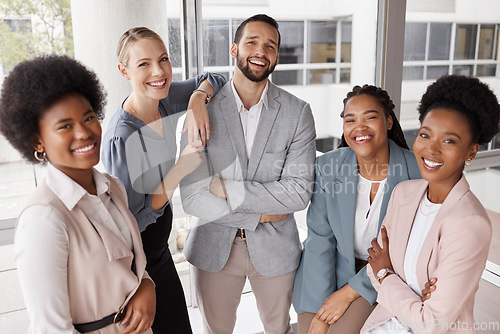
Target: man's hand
{"points": [[272, 218], [218, 187]]}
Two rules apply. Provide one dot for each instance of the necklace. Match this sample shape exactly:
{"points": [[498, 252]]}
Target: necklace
{"points": [[160, 130], [428, 207]]}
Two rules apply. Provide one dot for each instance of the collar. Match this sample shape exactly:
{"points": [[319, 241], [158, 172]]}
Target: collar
{"points": [[70, 192], [239, 103]]}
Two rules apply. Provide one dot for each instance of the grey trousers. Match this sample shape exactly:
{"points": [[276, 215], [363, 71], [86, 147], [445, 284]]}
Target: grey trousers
{"points": [[219, 294]]}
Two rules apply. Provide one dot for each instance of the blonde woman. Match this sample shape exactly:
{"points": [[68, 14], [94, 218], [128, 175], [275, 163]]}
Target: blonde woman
{"points": [[139, 147]]}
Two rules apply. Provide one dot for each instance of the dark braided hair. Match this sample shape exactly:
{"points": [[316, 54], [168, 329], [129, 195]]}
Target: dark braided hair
{"points": [[469, 97], [383, 98]]}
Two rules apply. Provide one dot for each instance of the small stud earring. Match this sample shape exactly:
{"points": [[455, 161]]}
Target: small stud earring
{"points": [[468, 162]]}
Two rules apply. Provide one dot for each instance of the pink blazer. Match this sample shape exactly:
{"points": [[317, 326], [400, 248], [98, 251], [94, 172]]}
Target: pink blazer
{"points": [[455, 252]]}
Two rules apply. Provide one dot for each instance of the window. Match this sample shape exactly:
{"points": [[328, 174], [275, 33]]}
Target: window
{"points": [[311, 51], [433, 49]]}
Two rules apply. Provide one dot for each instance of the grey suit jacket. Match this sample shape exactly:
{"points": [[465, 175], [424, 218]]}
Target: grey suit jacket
{"points": [[277, 178]]}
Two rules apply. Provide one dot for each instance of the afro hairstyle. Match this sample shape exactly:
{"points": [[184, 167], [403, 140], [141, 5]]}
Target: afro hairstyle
{"points": [[468, 96], [35, 85]]}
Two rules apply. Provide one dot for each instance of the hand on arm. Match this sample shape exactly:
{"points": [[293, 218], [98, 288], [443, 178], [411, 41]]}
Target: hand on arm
{"points": [[197, 116], [272, 218], [189, 159], [379, 257], [141, 308], [429, 288], [336, 304]]}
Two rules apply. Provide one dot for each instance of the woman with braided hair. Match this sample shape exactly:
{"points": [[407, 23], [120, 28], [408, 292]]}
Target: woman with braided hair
{"points": [[332, 293]]}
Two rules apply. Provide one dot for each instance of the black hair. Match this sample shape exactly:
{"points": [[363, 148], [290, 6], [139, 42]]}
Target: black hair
{"points": [[469, 97], [257, 18], [383, 98], [35, 85]]}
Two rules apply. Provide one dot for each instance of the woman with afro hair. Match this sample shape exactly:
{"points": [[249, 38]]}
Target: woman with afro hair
{"points": [[78, 250], [353, 185], [435, 229]]}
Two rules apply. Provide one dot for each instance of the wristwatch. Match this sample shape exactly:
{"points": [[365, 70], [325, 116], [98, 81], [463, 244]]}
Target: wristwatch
{"points": [[383, 272]]}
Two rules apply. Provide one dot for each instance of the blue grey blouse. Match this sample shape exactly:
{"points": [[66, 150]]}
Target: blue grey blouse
{"points": [[141, 158]]}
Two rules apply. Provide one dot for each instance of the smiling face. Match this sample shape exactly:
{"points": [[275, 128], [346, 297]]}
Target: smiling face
{"points": [[256, 53], [442, 146], [365, 127], [148, 69], [70, 135]]}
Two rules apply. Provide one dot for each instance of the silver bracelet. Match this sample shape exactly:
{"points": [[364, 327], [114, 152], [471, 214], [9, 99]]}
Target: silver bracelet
{"points": [[204, 91]]}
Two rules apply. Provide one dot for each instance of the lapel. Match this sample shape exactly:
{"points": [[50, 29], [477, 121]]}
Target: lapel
{"points": [[266, 123], [229, 110], [115, 247], [403, 223], [345, 190], [139, 256], [397, 172], [449, 204]]}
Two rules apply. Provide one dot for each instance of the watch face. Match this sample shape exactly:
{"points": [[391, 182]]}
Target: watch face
{"points": [[381, 273]]}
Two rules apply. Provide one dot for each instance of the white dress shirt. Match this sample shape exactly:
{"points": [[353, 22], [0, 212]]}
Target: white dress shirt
{"points": [[41, 248], [367, 216], [250, 118], [422, 223]]}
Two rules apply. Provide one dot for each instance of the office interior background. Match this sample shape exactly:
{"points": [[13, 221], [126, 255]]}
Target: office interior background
{"points": [[327, 47]]}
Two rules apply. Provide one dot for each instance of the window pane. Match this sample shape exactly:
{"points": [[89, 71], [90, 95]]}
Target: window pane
{"points": [[463, 70], [174, 43], [292, 42], [289, 77], [486, 70], [486, 38], [465, 42], [434, 72], [326, 76], [215, 42], [413, 73], [496, 142], [322, 37], [345, 75], [415, 35], [439, 41], [345, 49]]}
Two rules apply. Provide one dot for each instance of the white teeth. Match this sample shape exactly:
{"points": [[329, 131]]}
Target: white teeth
{"points": [[258, 62], [85, 149], [360, 138], [157, 83], [432, 164]]}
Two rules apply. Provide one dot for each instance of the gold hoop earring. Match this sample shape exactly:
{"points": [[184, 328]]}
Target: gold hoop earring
{"points": [[468, 162], [40, 156]]}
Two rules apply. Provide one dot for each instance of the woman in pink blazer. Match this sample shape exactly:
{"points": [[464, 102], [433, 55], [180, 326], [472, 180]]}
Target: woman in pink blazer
{"points": [[436, 227]]}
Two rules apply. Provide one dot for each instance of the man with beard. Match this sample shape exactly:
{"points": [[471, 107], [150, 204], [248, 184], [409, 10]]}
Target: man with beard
{"points": [[259, 170]]}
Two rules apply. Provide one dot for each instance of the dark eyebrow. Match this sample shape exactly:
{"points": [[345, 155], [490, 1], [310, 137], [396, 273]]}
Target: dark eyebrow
{"points": [[446, 133], [364, 113], [64, 120], [258, 37]]}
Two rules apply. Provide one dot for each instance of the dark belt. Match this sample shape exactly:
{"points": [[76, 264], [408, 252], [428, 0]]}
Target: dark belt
{"points": [[98, 324], [241, 233]]}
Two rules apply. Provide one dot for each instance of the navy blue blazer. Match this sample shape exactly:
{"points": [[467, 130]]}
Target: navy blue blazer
{"points": [[328, 262]]}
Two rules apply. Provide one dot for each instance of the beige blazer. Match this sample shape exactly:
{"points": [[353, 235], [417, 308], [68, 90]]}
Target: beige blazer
{"points": [[103, 274], [455, 252]]}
